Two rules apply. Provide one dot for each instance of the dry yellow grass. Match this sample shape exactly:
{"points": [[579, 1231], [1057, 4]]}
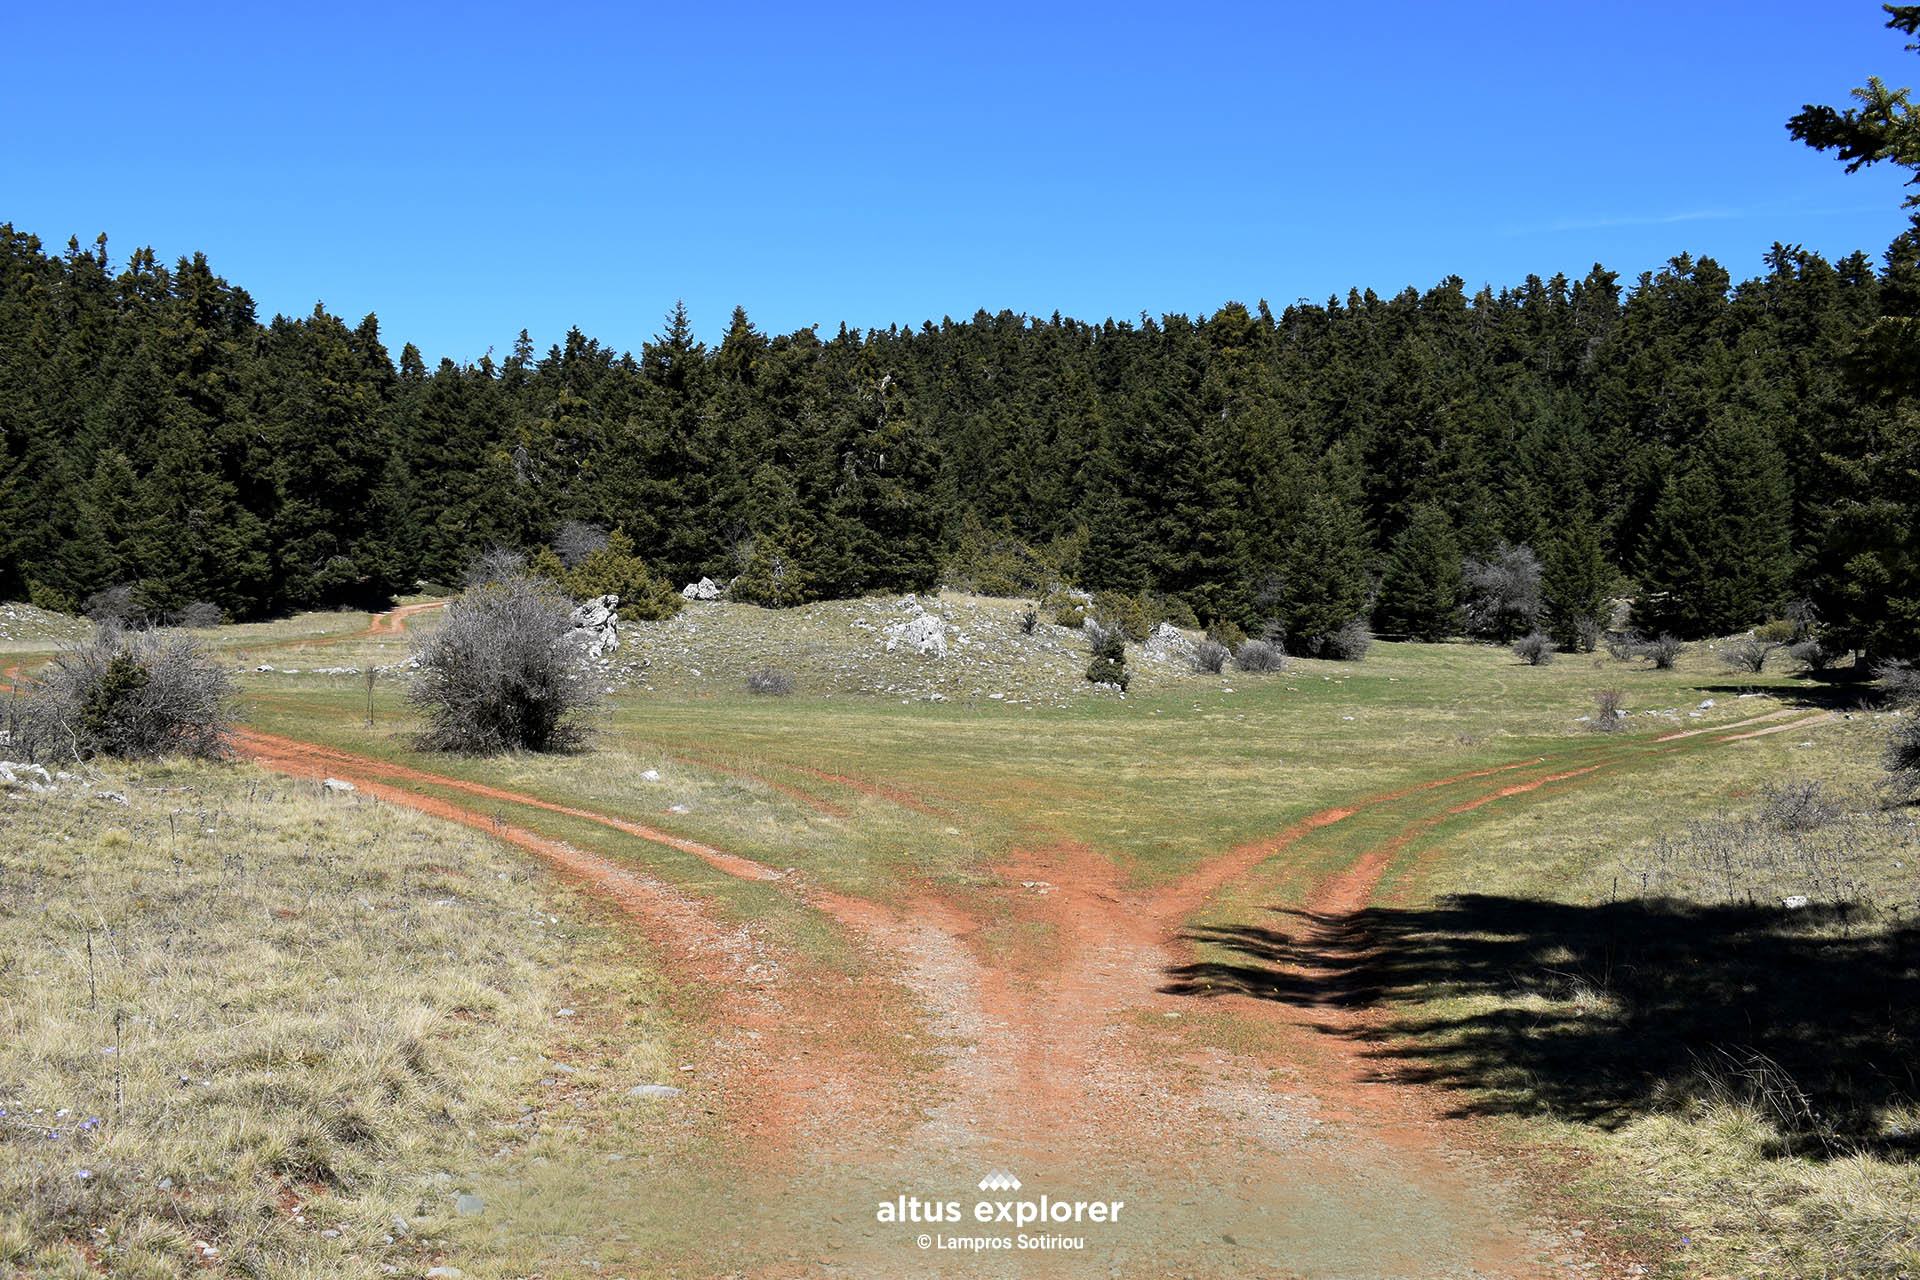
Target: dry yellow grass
{"points": [[246, 1024]]}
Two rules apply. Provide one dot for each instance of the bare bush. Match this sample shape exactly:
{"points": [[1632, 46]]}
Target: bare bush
{"points": [[1903, 760], [1260, 657], [498, 565], [1899, 682], [1749, 653], [1348, 642], [575, 540], [132, 695], [771, 681], [1799, 804], [501, 675], [200, 615], [1625, 646], [1535, 649], [1586, 634], [1609, 711], [116, 606], [1812, 654], [1663, 652], [1503, 592], [1209, 657]]}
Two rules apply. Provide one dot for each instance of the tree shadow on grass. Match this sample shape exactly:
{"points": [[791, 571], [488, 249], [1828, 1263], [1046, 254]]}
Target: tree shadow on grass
{"points": [[1605, 1012]]}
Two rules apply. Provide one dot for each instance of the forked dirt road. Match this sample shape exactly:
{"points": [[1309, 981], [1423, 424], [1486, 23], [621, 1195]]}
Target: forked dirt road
{"points": [[1077, 1049]]}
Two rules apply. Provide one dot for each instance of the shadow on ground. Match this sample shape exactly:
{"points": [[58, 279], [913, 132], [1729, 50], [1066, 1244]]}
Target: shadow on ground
{"points": [[1604, 1012]]}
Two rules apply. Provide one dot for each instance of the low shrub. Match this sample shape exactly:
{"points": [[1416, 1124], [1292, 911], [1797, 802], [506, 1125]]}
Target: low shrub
{"points": [[1109, 665], [1749, 653], [1209, 656], [498, 564], [1812, 654], [1027, 621], [1799, 804], [1228, 634], [117, 606], [1586, 634], [133, 695], [1070, 613], [1535, 649], [1130, 615], [200, 615], [1348, 643], [771, 681], [1899, 683], [1260, 657], [1662, 652], [1609, 711], [1902, 759], [501, 675]]}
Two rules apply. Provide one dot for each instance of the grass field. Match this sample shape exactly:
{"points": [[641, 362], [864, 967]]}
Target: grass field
{"points": [[1571, 940]]}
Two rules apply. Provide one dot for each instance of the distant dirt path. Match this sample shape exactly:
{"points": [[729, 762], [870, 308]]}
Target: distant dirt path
{"points": [[1063, 1006]]}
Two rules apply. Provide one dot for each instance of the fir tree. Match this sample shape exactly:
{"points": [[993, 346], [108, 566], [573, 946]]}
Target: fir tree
{"points": [[1420, 589]]}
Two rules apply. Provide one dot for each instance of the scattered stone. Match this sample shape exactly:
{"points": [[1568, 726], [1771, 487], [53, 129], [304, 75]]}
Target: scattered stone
{"points": [[654, 1091], [651, 775], [400, 1227], [705, 589], [468, 1205], [1796, 902], [445, 1273], [338, 784]]}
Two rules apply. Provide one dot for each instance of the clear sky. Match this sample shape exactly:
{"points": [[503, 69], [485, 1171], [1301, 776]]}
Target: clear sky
{"points": [[468, 171]]}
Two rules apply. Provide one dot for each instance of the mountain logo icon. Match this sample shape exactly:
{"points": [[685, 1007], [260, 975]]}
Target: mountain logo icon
{"points": [[999, 1180]]}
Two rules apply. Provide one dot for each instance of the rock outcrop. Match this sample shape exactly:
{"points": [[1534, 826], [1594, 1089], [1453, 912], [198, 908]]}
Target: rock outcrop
{"points": [[596, 626]]}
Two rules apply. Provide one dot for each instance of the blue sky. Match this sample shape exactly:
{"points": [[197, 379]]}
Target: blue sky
{"points": [[469, 171]]}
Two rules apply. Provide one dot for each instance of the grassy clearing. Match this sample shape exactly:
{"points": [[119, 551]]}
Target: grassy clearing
{"points": [[248, 1024], [1741, 1070], [1579, 959]]}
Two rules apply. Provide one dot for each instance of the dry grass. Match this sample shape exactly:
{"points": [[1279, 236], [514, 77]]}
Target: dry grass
{"points": [[245, 1024]]}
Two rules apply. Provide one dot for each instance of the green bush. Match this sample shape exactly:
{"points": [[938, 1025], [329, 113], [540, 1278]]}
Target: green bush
{"points": [[133, 695], [1109, 665], [1130, 615], [1070, 613], [772, 577], [615, 570]]}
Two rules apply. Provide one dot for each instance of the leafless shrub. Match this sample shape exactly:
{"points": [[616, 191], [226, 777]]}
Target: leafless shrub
{"points": [[1503, 592], [134, 695], [1586, 634], [1098, 634], [1799, 804], [1209, 656], [1749, 653], [1609, 711], [1348, 642], [1625, 646], [1903, 759], [116, 606], [575, 540], [501, 675], [495, 566], [1662, 652], [1812, 654], [1899, 682], [1535, 649], [200, 615], [1260, 657], [771, 681]]}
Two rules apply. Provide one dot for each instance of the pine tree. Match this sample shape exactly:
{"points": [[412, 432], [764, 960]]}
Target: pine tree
{"points": [[1420, 589], [1573, 583], [1718, 555], [1323, 580]]}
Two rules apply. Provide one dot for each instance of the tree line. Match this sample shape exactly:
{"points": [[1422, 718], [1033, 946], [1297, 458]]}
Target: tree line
{"points": [[1704, 444]]}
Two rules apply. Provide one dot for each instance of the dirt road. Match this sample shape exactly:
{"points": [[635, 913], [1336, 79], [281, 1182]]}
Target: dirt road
{"points": [[1083, 1045]]}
